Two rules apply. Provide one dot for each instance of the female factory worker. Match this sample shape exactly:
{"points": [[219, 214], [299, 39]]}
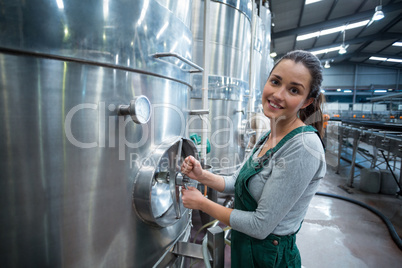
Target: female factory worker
{"points": [[275, 185]]}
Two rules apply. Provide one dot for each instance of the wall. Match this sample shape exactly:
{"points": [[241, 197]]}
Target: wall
{"points": [[368, 77]]}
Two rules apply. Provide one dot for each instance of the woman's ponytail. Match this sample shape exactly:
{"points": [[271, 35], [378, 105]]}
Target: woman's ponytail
{"points": [[312, 114]]}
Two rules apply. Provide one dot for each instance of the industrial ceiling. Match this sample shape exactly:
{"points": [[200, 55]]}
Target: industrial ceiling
{"points": [[292, 18]]}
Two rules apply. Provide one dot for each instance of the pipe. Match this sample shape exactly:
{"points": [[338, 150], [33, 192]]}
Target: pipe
{"points": [[251, 69], [205, 75], [205, 252], [387, 222]]}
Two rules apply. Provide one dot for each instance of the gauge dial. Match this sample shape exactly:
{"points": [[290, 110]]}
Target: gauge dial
{"points": [[140, 109]]}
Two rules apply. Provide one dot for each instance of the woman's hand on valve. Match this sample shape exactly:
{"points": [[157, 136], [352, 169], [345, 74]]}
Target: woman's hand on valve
{"points": [[191, 167], [192, 198]]}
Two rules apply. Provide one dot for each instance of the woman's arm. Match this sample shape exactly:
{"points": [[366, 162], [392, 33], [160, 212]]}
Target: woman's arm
{"points": [[286, 186], [192, 198], [192, 168]]}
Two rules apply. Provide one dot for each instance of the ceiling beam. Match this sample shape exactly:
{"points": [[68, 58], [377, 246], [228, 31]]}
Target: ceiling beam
{"points": [[368, 55], [335, 22], [380, 36]]}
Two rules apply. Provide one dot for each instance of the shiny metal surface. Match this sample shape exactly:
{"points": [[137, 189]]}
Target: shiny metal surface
{"points": [[258, 45], [229, 40], [181, 9], [68, 161], [225, 136], [139, 109], [228, 81], [242, 6], [123, 33], [262, 65], [267, 63], [153, 200]]}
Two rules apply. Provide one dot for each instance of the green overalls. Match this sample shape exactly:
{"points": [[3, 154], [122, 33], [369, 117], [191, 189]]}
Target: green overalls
{"points": [[274, 250]]}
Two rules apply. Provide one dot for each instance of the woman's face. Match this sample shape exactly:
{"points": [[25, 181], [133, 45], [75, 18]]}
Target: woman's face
{"points": [[286, 90]]}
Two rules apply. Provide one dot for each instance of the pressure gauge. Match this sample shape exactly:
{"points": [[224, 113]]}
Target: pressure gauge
{"points": [[139, 109]]}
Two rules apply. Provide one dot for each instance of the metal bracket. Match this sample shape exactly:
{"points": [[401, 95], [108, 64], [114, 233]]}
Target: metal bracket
{"points": [[183, 59], [216, 248], [199, 112], [190, 250], [216, 245]]}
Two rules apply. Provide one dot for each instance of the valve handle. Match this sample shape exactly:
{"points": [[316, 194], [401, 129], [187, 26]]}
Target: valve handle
{"points": [[172, 180]]}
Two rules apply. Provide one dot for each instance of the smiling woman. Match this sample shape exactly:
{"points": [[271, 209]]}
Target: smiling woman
{"points": [[292, 92], [286, 90], [276, 183]]}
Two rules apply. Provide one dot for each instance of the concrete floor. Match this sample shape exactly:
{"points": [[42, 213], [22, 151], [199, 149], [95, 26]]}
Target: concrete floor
{"points": [[336, 233]]}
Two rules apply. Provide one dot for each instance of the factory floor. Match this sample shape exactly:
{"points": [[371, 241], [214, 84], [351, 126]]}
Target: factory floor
{"points": [[337, 233]]}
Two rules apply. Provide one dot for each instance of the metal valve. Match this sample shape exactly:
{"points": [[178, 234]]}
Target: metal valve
{"points": [[182, 180]]}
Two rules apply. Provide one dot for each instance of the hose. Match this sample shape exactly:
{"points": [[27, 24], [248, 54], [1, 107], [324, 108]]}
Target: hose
{"points": [[203, 227], [195, 238], [227, 231], [387, 222]]}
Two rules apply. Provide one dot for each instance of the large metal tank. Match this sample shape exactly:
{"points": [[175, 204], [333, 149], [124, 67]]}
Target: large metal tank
{"points": [[228, 79], [86, 179], [262, 64]]}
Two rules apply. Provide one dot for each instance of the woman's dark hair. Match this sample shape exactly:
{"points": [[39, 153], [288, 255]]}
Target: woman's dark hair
{"points": [[312, 114]]}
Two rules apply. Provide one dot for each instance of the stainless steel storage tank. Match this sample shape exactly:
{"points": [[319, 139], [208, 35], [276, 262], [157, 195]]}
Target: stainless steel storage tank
{"points": [[228, 81], [262, 64], [82, 185]]}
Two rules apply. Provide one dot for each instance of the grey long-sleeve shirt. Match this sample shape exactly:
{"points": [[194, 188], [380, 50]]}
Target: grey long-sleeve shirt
{"points": [[283, 189]]}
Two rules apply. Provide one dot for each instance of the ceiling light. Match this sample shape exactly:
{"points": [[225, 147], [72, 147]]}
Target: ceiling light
{"points": [[342, 50], [380, 91], [347, 91], [378, 58], [321, 51], [311, 1], [378, 15], [307, 36], [339, 89], [386, 59], [356, 24], [332, 30], [273, 55], [60, 4], [327, 65], [394, 60], [397, 44]]}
